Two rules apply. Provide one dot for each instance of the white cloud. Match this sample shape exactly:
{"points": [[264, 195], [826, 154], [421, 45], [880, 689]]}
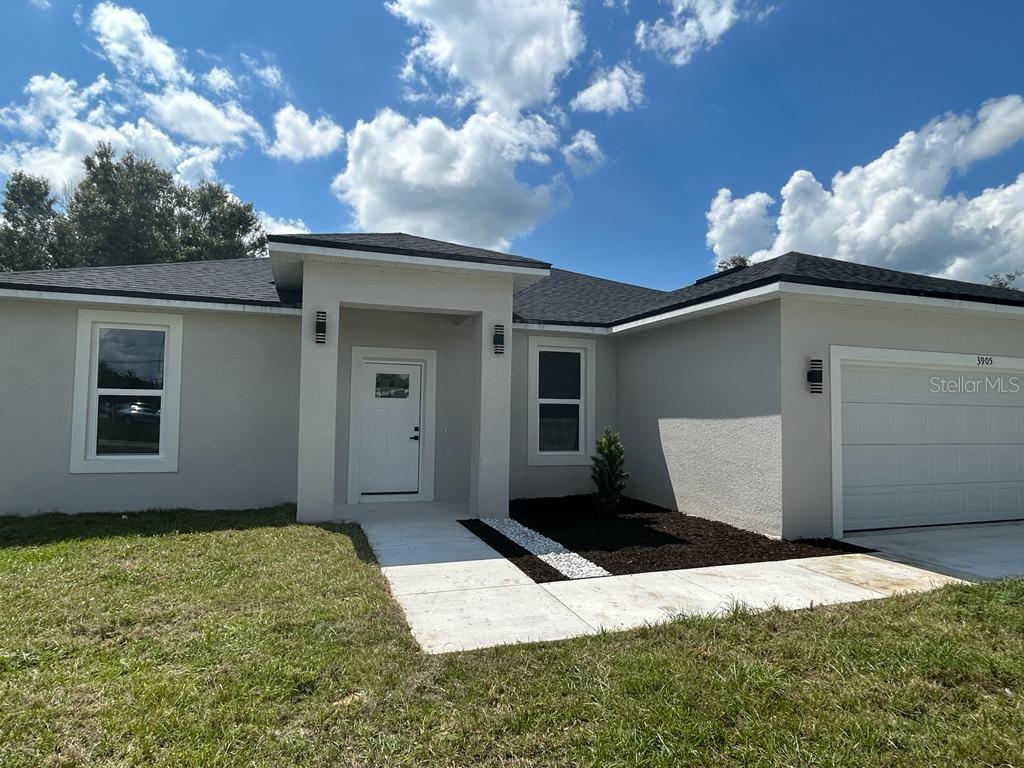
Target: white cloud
{"points": [[455, 183], [43, 5], [506, 55], [130, 45], [50, 98], [187, 113], [896, 211], [220, 81], [268, 74], [283, 226], [582, 154], [690, 27], [298, 138], [615, 89]]}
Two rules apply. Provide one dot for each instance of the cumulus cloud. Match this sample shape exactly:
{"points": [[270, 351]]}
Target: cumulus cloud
{"points": [[454, 183], [283, 226], [220, 80], [690, 27], [582, 154], [620, 88], [197, 118], [50, 98], [895, 211], [268, 74], [130, 45], [299, 138], [507, 56]]}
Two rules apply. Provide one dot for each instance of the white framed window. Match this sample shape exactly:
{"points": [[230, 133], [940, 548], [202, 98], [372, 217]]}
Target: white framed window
{"points": [[127, 392], [562, 406]]}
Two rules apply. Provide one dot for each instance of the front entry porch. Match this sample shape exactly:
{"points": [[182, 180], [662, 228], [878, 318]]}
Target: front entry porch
{"points": [[404, 398]]}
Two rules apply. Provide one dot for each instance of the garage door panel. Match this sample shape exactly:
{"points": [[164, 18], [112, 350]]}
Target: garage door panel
{"points": [[897, 423], [912, 455]]}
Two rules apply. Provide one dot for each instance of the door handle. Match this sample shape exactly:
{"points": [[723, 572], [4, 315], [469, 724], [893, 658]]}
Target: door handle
{"points": [[414, 437]]}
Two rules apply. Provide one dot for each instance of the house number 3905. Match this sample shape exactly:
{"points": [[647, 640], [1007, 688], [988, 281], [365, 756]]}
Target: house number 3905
{"points": [[984, 360]]}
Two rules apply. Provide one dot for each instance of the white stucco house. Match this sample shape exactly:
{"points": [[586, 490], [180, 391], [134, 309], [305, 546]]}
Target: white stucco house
{"points": [[800, 396]]}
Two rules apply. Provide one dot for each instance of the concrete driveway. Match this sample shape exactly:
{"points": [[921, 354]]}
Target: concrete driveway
{"points": [[975, 552]]}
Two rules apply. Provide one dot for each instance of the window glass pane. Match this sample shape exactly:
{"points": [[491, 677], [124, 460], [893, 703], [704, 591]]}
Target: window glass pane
{"points": [[127, 424], [392, 385], [558, 376], [559, 427], [130, 359]]}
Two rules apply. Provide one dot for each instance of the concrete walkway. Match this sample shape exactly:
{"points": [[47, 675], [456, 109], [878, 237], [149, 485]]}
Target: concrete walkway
{"points": [[459, 594]]}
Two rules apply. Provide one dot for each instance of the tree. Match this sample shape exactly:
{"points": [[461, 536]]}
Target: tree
{"points": [[214, 224], [121, 212], [1005, 280], [28, 228], [608, 471], [125, 210], [736, 261]]}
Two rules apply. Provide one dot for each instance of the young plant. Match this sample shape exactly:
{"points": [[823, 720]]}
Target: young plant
{"points": [[608, 471]]}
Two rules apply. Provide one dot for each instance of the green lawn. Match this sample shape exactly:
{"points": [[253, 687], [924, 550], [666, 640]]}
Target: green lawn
{"points": [[210, 639]]}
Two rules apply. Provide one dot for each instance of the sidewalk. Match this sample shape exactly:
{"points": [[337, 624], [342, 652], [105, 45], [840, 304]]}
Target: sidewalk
{"points": [[459, 594]]}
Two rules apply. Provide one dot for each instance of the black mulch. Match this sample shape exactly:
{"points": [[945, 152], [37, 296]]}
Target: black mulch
{"points": [[525, 561], [642, 537]]}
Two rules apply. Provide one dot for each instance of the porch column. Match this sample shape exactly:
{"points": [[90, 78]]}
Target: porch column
{"points": [[318, 402], [489, 465]]}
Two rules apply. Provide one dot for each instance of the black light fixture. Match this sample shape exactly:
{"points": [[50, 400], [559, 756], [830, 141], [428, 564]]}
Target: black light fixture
{"points": [[320, 327], [815, 376], [499, 339]]}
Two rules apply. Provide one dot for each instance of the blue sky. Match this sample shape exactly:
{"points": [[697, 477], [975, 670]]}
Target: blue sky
{"points": [[594, 135]]}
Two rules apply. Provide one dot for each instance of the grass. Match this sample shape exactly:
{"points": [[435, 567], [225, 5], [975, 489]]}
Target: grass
{"points": [[241, 639]]}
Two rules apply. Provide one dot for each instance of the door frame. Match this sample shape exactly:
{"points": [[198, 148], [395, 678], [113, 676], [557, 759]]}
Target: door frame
{"points": [[427, 360], [894, 358]]}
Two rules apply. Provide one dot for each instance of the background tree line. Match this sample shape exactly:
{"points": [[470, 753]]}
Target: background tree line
{"points": [[125, 210]]}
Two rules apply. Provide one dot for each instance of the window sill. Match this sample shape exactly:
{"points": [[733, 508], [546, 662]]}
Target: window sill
{"points": [[558, 460], [122, 465]]}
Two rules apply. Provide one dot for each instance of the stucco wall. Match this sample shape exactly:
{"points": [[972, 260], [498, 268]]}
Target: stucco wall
{"points": [[453, 340], [808, 330], [532, 482], [238, 428], [699, 411]]}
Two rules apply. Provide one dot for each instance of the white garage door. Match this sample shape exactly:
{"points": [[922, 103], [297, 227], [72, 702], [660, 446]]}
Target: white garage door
{"points": [[929, 446]]}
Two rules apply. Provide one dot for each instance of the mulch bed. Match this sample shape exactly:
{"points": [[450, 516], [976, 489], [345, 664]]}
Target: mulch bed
{"points": [[642, 537]]}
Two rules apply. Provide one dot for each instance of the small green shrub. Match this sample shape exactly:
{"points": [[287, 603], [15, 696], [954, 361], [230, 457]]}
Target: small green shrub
{"points": [[608, 471]]}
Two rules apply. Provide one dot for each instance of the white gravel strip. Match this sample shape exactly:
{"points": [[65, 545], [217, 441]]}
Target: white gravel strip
{"points": [[563, 560]]}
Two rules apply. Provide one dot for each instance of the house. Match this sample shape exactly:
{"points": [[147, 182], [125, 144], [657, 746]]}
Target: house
{"points": [[800, 396]]}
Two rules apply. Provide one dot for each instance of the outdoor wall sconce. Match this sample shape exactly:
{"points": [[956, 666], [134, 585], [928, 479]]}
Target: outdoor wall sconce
{"points": [[815, 376], [499, 339], [320, 327]]}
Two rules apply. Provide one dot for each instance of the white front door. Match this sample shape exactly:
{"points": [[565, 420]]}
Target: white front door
{"points": [[391, 430]]}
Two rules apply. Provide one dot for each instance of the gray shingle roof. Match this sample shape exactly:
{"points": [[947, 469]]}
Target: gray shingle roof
{"points": [[408, 245], [805, 269], [232, 281], [569, 298], [566, 298]]}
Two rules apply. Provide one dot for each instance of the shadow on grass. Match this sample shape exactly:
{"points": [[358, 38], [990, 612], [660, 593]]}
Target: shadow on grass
{"points": [[57, 527]]}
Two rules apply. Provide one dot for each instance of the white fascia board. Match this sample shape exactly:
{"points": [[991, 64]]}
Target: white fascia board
{"points": [[821, 293], [576, 330], [396, 259], [852, 296], [32, 294], [753, 296]]}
